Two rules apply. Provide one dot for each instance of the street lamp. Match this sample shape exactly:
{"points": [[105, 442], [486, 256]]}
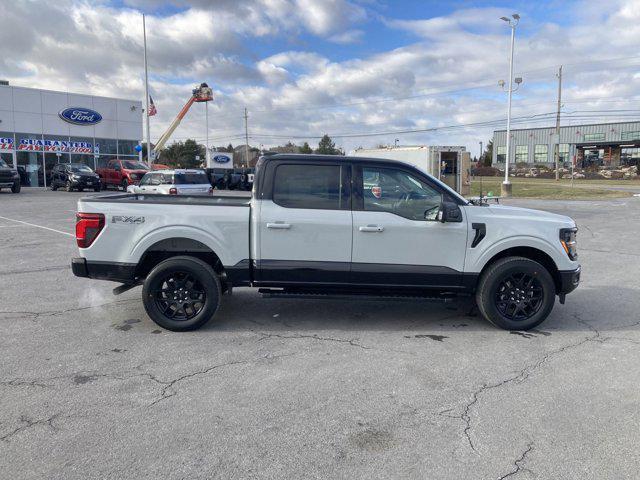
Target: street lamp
{"points": [[513, 22]]}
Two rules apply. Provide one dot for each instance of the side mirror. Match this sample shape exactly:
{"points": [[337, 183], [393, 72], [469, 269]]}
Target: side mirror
{"points": [[449, 212]]}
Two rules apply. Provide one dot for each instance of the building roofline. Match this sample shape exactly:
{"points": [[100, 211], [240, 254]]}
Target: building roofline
{"points": [[70, 93], [567, 126]]}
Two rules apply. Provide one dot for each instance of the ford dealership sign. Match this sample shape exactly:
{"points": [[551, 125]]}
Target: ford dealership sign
{"points": [[80, 116], [221, 159]]}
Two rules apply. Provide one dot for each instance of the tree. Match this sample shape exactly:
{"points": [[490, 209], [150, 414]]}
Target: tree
{"points": [[326, 146], [183, 155], [487, 155], [305, 148]]}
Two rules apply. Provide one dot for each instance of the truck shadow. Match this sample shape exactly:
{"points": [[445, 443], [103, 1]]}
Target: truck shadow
{"points": [[587, 309]]}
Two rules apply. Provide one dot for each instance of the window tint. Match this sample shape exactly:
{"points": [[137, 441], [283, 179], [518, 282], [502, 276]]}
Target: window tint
{"points": [[146, 179], [191, 178], [399, 192], [308, 186]]}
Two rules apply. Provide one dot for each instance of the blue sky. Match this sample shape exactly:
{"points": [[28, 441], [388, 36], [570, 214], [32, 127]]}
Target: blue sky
{"points": [[308, 67]]}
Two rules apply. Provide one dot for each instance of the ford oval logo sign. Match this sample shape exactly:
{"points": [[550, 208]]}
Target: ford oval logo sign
{"points": [[80, 116], [221, 159]]}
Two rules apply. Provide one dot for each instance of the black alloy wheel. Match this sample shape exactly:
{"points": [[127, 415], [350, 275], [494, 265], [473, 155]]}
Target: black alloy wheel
{"points": [[519, 296], [181, 293], [180, 296], [515, 293]]}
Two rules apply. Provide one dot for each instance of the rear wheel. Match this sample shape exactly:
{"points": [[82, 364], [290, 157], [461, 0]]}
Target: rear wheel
{"points": [[181, 293], [516, 293]]}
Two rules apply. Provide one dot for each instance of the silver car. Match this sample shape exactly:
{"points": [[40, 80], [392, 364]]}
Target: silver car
{"points": [[174, 182]]}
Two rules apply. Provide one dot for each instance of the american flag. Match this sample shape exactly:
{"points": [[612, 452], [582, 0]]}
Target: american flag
{"points": [[152, 107]]}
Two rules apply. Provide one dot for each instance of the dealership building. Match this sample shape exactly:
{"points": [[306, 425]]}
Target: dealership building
{"points": [[39, 128], [603, 144]]}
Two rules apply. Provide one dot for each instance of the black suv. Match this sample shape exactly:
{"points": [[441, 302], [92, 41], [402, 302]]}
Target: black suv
{"points": [[9, 178], [74, 175]]}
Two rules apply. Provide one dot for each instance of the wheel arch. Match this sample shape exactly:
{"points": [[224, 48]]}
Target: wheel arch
{"points": [[177, 246], [531, 253]]}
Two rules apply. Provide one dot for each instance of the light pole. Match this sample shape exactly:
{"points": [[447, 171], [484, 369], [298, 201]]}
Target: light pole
{"points": [[513, 22]]}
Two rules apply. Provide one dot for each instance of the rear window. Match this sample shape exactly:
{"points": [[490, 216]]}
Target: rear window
{"points": [[308, 186], [196, 178]]}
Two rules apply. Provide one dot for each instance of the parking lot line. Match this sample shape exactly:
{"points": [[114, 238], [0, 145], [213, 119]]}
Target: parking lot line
{"points": [[37, 226]]}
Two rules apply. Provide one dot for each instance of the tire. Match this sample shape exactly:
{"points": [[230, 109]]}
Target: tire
{"points": [[124, 184], [15, 188], [97, 189], [54, 187], [516, 293], [68, 187], [167, 278]]}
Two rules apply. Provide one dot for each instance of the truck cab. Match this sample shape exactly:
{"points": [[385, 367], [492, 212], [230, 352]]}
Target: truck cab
{"points": [[122, 173], [330, 225]]}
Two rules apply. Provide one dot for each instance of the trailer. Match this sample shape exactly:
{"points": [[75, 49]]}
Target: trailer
{"points": [[450, 164]]}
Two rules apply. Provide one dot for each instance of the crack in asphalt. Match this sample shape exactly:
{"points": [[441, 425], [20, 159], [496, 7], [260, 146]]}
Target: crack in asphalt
{"points": [[34, 270], [23, 383], [517, 463], [28, 423], [52, 313], [351, 342], [520, 377]]}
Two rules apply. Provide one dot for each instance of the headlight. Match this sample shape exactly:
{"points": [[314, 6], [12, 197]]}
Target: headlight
{"points": [[75, 177], [569, 243]]}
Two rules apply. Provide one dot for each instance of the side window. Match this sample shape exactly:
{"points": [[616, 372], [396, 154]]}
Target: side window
{"points": [[154, 178], [145, 180], [399, 192], [308, 186]]}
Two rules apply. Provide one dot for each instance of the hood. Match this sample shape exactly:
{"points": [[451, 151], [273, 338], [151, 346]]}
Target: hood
{"points": [[505, 211], [137, 172]]}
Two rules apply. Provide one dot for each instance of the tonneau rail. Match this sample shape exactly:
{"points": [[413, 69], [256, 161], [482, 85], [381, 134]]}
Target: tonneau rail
{"points": [[242, 199]]}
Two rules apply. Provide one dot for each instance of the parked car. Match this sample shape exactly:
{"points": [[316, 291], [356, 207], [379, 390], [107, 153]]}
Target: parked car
{"points": [[160, 166], [9, 177], [74, 176], [174, 182], [122, 173], [231, 179], [323, 225]]}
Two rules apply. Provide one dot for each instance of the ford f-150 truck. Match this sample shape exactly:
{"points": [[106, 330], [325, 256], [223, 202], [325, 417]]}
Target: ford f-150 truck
{"points": [[321, 226], [122, 173]]}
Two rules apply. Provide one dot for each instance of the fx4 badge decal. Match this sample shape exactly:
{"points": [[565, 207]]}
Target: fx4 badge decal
{"points": [[127, 219]]}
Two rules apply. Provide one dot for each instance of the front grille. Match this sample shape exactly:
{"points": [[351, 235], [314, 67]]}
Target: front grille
{"points": [[6, 176]]}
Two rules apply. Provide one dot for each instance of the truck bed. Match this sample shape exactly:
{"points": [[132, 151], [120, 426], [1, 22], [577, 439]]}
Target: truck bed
{"points": [[231, 199]]}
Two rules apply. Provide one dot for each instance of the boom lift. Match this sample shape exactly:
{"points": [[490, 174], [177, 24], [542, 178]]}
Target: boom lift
{"points": [[203, 93]]}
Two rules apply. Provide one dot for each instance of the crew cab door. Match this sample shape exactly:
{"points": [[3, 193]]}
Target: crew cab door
{"points": [[304, 226], [397, 239]]}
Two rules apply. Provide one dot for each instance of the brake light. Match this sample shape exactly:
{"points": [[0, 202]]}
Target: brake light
{"points": [[173, 191], [88, 227]]}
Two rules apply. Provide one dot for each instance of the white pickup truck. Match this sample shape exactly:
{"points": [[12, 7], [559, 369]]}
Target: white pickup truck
{"points": [[323, 226]]}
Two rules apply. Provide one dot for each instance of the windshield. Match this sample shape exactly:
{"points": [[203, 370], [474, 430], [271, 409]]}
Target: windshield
{"points": [[80, 169], [191, 178], [134, 165]]}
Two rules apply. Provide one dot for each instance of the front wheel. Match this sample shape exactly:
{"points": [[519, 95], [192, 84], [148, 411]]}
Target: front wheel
{"points": [[15, 188], [516, 293], [124, 184], [68, 187], [181, 293]]}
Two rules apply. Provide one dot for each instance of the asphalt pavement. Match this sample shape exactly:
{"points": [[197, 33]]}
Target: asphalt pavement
{"points": [[91, 388]]}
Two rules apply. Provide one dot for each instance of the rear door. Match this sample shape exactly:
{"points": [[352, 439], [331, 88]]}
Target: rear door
{"points": [[305, 223], [397, 240]]}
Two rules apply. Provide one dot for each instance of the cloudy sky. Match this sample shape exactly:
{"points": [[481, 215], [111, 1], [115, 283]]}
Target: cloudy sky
{"points": [[350, 68]]}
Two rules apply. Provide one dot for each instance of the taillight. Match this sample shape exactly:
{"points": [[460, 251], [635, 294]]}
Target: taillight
{"points": [[88, 226], [173, 191]]}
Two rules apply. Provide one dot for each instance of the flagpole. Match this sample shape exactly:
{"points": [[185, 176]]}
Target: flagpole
{"points": [[146, 89]]}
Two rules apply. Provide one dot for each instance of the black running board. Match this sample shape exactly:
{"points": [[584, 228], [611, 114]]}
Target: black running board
{"points": [[320, 295]]}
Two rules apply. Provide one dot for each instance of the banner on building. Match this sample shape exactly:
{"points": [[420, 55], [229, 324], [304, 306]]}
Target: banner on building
{"points": [[37, 145], [6, 143]]}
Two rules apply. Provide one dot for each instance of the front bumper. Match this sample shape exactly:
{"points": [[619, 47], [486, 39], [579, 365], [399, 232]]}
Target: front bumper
{"points": [[6, 184], [569, 280], [112, 271], [84, 183]]}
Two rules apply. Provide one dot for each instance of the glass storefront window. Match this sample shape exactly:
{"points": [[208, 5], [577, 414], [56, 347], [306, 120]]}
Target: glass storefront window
{"points": [[541, 154], [106, 146], [29, 160], [7, 158], [522, 153], [563, 152], [127, 147], [86, 159], [630, 136], [501, 153]]}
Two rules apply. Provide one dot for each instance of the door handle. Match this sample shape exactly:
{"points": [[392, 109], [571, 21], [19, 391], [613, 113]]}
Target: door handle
{"points": [[372, 228], [279, 226]]}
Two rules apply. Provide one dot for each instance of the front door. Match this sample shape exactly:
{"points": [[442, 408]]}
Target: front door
{"points": [[397, 239], [304, 229]]}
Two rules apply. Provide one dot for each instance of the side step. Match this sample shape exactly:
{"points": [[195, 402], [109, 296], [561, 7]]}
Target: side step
{"points": [[328, 295]]}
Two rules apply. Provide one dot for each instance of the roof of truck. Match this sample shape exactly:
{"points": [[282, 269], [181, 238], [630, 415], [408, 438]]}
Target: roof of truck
{"points": [[330, 158]]}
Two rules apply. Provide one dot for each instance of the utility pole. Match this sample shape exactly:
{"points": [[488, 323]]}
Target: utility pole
{"points": [[246, 135], [557, 149], [146, 89], [480, 157]]}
